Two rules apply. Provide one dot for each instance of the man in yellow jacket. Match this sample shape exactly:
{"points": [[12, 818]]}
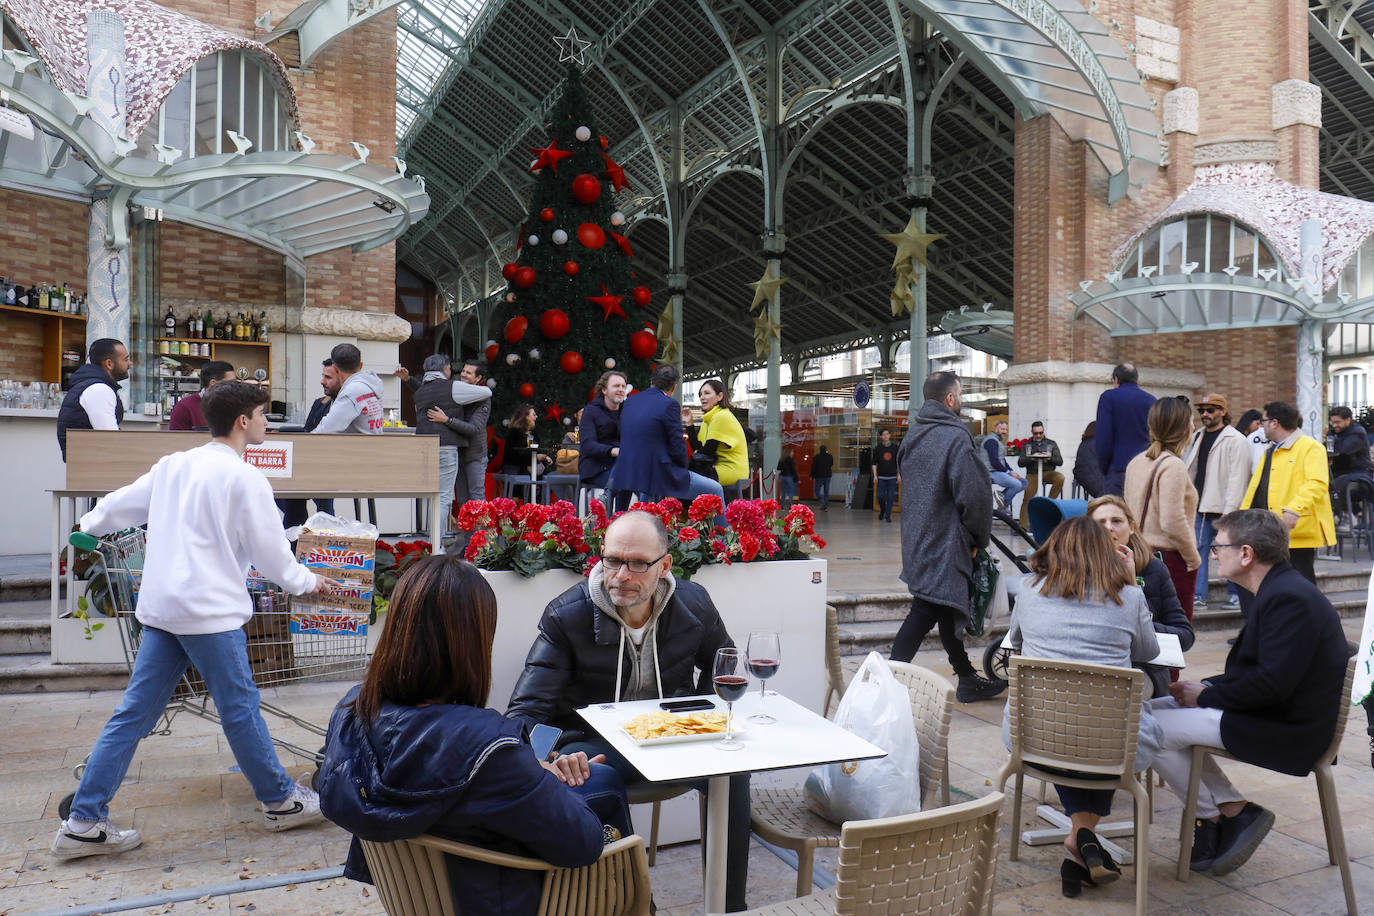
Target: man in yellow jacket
{"points": [[1293, 482]]}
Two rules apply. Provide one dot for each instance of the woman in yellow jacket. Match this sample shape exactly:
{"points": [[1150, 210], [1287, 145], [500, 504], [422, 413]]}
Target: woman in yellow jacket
{"points": [[718, 425], [1298, 489]]}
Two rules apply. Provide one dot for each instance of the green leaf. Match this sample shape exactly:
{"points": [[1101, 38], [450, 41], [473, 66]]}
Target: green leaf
{"points": [[96, 626]]}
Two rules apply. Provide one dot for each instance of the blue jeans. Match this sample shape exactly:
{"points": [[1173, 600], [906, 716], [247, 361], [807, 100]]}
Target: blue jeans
{"points": [[1206, 534], [887, 496], [1011, 486], [448, 474], [222, 660], [822, 487], [787, 491], [604, 793]]}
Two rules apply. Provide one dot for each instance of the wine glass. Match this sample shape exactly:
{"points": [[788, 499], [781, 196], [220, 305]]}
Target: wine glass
{"points": [[764, 658], [730, 683]]}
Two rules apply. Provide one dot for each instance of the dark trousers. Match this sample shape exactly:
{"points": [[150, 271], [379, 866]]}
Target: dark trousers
{"points": [[1304, 560], [737, 832], [1115, 482], [294, 510], [1093, 801], [604, 793], [923, 617]]}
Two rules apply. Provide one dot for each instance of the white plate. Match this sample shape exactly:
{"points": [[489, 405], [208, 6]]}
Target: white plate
{"points": [[681, 739]]}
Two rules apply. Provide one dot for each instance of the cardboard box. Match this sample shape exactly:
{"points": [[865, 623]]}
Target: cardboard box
{"points": [[343, 609]]}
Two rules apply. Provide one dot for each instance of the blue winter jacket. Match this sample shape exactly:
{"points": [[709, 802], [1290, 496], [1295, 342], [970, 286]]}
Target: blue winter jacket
{"points": [[458, 772]]}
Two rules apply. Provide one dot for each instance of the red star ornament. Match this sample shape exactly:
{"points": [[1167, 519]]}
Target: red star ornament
{"points": [[554, 412], [616, 174], [550, 155], [623, 243], [609, 304]]}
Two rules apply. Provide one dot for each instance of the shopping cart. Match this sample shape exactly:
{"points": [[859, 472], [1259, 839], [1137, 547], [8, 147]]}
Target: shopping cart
{"points": [[276, 655]]}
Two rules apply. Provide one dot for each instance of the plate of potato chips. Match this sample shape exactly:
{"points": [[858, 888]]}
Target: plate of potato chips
{"points": [[652, 728]]}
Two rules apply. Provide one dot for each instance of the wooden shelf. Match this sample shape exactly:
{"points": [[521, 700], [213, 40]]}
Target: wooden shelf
{"points": [[211, 340], [38, 313]]}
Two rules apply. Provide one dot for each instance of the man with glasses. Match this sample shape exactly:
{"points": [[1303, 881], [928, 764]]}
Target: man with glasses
{"points": [[1042, 459], [1292, 482], [1218, 460], [1275, 704], [631, 631]]}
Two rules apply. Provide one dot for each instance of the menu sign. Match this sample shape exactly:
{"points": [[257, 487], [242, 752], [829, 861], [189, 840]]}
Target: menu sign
{"points": [[273, 459]]}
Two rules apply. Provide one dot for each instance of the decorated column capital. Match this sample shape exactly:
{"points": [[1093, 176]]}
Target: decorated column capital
{"points": [[1296, 102], [774, 244], [1181, 110], [677, 282]]}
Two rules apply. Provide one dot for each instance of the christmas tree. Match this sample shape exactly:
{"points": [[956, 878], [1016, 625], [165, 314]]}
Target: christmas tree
{"points": [[573, 308]]}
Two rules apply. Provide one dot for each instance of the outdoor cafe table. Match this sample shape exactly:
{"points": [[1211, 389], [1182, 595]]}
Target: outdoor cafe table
{"points": [[800, 738]]}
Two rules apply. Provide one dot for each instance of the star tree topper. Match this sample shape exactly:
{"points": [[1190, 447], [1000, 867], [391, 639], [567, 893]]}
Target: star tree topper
{"points": [[572, 48], [764, 288], [911, 243]]}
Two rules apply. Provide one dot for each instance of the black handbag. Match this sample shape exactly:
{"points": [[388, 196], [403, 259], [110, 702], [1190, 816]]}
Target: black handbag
{"points": [[982, 588]]}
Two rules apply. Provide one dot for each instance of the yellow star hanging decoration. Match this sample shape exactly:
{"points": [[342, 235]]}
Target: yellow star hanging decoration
{"points": [[901, 298], [667, 336], [911, 243], [764, 288], [765, 330]]}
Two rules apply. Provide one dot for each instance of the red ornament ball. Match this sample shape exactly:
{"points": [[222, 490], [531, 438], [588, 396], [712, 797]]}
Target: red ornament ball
{"points": [[643, 344], [524, 277], [586, 188], [604, 142], [526, 390], [515, 328], [570, 268], [492, 351], [641, 295], [571, 362], [546, 214], [591, 235], [508, 270], [553, 324]]}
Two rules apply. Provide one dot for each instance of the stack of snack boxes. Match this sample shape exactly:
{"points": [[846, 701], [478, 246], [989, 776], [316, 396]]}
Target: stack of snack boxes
{"points": [[342, 609]]}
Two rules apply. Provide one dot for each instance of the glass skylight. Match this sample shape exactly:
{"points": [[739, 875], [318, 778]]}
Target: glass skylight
{"points": [[430, 37]]}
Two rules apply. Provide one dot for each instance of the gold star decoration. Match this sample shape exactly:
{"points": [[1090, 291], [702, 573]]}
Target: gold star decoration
{"points": [[765, 330], [901, 298], [667, 336], [764, 288], [911, 243]]}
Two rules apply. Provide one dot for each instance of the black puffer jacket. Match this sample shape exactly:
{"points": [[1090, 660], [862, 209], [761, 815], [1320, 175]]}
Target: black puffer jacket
{"points": [[573, 660], [1168, 615]]}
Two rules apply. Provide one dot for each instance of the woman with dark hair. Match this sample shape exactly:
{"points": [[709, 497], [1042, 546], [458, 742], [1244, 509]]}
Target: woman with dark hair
{"points": [[722, 437], [413, 751], [1151, 575], [1080, 603], [1162, 497], [1086, 469], [1251, 426], [520, 447]]}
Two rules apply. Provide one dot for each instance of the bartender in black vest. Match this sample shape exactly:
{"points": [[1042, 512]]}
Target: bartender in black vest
{"points": [[92, 401]]}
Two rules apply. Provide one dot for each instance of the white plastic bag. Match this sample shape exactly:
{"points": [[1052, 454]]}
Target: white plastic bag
{"points": [[877, 708]]}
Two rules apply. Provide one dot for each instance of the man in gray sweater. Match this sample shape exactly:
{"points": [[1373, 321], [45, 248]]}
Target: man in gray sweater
{"points": [[948, 497]]}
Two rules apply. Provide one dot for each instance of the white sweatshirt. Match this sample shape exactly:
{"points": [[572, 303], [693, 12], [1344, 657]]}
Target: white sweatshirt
{"points": [[358, 407], [210, 516]]}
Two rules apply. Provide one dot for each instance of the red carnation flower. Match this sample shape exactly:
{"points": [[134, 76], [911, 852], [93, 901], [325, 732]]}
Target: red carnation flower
{"points": [[688, 534], [705, 507]]}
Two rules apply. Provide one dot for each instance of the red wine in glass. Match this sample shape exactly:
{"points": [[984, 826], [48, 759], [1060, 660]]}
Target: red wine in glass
{"points": [[729, 679], [765, 655]]}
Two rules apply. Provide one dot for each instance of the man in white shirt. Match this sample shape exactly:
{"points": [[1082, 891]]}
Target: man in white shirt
{"points": [[92, 400], [209, 517]]}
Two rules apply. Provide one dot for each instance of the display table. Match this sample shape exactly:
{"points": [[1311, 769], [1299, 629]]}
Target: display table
{"points": [[800, 738], [341, 466]]}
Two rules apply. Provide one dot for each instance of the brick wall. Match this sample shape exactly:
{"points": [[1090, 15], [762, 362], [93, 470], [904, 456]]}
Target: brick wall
{"points": [[42, 240]]}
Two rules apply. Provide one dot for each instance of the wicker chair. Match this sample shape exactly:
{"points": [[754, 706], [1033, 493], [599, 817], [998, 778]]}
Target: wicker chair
{"points": [[412, 880], [781, 816], [1084, 718], [935, 862], [1326, 795], [834, 674]]}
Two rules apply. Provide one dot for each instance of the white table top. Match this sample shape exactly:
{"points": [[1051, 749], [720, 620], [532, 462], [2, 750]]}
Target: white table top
{"points": [[799, 738]]}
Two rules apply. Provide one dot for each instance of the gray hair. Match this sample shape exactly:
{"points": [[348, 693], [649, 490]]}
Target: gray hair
{"points": [[436, 363], [1259, 528]]}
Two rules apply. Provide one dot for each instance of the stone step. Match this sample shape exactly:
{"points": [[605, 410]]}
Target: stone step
{"points": [[25, 637], [35, 673], [862, 637]]}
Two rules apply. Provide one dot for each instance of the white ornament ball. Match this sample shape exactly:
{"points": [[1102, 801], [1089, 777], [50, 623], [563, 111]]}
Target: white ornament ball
{"points": [[506, 422], [610, 363], [567, 421], [617, 218], [512, 359], [491, 383], [491, 343], [533, 163], [534, 354], [533, 240], [560, 237], [584, 133]]}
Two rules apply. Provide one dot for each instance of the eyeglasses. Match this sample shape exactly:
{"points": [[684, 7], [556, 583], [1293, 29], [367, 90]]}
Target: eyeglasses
{"points": [[1218, 547], [614, 564]]}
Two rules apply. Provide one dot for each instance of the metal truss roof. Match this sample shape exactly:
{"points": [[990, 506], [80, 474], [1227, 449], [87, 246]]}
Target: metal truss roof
{"points": [[1341, 62], [829, 161]]}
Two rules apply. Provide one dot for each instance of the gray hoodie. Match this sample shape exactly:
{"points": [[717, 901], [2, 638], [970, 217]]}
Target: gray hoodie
{"points": [[645, 683], [358, 407]]}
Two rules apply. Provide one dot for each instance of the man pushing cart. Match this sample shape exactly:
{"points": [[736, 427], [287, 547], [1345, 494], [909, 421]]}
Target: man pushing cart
{"points": [[209, 516]]}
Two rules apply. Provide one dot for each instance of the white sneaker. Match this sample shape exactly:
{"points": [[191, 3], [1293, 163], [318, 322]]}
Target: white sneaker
{"points": [[100, 840], [299, 808]]}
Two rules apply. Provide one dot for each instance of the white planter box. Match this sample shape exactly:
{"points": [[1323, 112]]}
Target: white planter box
{"points": [[69, 642]]}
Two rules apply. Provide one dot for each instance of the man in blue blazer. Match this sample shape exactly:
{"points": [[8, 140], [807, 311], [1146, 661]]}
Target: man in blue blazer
{"points": [[1122, 432], [653, 453]]}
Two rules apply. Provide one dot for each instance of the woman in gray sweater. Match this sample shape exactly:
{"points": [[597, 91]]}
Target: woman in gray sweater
{"points": [[1080, 603]]}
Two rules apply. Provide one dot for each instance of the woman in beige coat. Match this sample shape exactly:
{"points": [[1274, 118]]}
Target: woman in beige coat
{"points": [[1161, 494]]}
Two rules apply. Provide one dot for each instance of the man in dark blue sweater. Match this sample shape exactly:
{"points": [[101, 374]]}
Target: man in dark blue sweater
{"points": [[1121, 428]]}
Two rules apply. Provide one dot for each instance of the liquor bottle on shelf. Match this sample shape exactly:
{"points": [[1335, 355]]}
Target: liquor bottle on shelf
{"points": [[169, 324], [7, 293], [43, 298], [210, 328], [24, 297], [262, 326], [200, 326], [241, 328]]}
